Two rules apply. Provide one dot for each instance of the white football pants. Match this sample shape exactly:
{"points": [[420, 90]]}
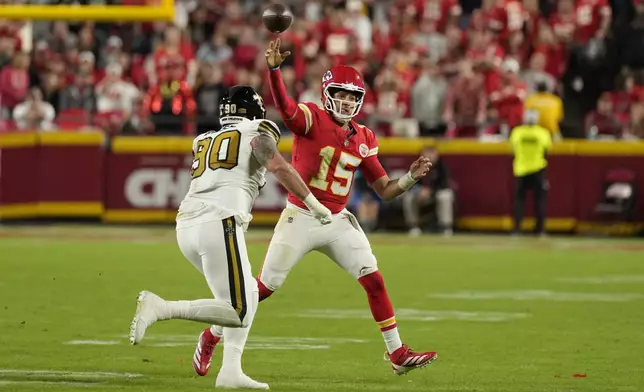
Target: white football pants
{"points": [[297, 233], [218, 250]]}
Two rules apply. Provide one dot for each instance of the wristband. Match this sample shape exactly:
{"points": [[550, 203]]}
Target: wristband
{"points": [[274, 69], [312, 203], [407, 181]]}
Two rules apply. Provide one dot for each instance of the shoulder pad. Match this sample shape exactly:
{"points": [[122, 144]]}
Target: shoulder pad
{"points": [[269, 128]]}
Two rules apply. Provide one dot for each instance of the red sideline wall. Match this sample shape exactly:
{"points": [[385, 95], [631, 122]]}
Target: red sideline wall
{"points": [[144, 179]]}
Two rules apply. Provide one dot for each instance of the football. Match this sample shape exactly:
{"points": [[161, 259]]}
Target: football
{"points": [[277, 18]]}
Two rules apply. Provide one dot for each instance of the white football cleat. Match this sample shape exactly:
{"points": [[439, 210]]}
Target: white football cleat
{"points": [[147, 313], [237, 381]]}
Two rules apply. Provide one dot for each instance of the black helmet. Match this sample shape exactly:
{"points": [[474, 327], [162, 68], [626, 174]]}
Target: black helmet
{"points": [[241, 102]]}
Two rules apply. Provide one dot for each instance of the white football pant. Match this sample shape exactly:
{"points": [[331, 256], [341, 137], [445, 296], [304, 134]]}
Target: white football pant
{"points": [[297, 233], [218, 250]]}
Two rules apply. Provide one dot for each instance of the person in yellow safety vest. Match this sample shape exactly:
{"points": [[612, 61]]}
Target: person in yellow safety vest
{"points": [[530, 144]]}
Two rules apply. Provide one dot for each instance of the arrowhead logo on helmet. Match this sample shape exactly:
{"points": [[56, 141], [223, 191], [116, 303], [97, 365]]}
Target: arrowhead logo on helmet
{"points": [[342, 92]]}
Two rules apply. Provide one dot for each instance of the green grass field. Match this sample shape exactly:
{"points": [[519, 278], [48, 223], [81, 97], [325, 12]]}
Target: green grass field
{"points": [[505, 314]]}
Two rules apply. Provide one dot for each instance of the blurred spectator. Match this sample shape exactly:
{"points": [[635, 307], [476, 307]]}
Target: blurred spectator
{"points": [[505, 17], [548, 106], [564, 21], [246, 49], [486, 56], [34, 113], [466, 103], [627, 94], [439, 13], [391, 106], [554, 52], [79, 95], [174, 52], [207, 97], [61, 39], [434, 189], [636, 121], [518, 48], [313, 92], [215, 51], [51, 88], [170, 104], [508, 97], [604, 122], [7, 50], [14, 83], [360, 24], [536, 74], [428, 98], [335, 39], [85, 64], [456, 39], [138, 122], [633, 45], [430, 41], [201, 24], [86, 39], [366, 202], [113, 94], [593, 20], [111, 52]]}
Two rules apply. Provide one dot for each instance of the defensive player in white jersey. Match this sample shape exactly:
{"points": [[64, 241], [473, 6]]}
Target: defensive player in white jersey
{"points": [[227, 173]]}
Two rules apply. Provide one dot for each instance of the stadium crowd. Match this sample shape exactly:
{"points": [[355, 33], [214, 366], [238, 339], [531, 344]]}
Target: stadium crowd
{"points": [[433, 67]]}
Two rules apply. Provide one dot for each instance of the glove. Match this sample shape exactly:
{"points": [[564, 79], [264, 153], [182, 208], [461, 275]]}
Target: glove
{"points": [[319, 211], [322, 214]]}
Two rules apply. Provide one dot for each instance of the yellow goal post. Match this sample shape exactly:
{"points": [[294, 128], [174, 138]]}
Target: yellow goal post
{"points": [[163, 10]]}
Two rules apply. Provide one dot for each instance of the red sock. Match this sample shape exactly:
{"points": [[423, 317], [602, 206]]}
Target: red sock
{"points": [[264, 292], [379, 302], [381, 309]]}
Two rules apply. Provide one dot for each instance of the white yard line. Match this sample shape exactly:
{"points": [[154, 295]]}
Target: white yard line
{"points": [[254, 342], [540, 295], [604, 279], [67, 374], [416, 315]]}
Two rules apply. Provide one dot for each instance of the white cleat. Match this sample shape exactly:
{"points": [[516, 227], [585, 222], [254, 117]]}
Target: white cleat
{"points": [[147, 305], [238, 381]]}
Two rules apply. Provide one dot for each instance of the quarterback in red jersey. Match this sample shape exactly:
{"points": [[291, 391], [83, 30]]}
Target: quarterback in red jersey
{"points": [[328, 148]]}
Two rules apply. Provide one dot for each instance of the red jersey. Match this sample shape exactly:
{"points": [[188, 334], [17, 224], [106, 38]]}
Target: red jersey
{"points": [[165, 59], [325, 155], [563, 25], [506, 18], [439, 11], [492, 56], [508, 99], [590, 15]]}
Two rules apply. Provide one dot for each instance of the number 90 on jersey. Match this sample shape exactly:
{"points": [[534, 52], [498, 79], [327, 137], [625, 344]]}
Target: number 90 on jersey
{"points": [[220, 151], [227, 109]]}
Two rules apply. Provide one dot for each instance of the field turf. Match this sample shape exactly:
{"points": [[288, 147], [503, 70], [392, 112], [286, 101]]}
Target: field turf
{"points": [[505, 314]]}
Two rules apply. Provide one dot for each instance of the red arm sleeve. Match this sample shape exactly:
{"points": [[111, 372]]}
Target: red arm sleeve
{"points": [[298, 118], [372, 169], [371, 166]]}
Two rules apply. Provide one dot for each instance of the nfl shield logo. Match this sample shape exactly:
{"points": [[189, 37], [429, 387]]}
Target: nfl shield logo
{"points": [[364, 150]]}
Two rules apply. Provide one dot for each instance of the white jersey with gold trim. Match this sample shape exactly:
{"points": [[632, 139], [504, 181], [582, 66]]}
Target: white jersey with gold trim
{"points": [[226, 176]]}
